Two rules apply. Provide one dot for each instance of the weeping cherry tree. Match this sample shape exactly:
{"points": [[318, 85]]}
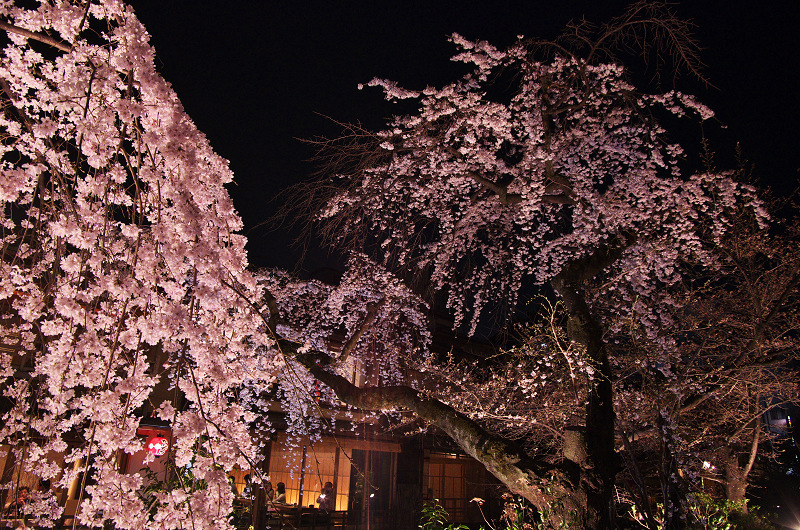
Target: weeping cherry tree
{"points": [[117, 238]]}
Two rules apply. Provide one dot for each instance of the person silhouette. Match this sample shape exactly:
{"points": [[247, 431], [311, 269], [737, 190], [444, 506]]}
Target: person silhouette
{"points": [[280, 497], [13, 509], [268, 491], [326, 498]]}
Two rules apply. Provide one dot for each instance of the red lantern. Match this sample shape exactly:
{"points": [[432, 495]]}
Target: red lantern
{"points": [[157, 445]]}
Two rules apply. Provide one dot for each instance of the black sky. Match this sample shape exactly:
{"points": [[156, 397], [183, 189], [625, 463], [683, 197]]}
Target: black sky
{"points": [[256, 76]]}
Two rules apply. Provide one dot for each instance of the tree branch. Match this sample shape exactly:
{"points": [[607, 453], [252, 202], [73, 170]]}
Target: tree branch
{"points": [[588, 267], [500, 457], [500, 190], [753, 447], [55, 43], [349, 346], [535, 480]]}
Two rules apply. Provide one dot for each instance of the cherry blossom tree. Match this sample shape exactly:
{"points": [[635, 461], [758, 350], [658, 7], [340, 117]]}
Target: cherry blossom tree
{"points": [[122, 268], [543, 165], [117, 237], [735, 338]]}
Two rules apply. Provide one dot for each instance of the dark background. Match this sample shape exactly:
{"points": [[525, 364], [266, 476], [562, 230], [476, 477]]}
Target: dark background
{"points": [[256, 77]]}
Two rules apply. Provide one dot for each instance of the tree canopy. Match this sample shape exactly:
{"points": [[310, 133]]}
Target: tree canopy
{"points": [[125, 278], [545, 165]]}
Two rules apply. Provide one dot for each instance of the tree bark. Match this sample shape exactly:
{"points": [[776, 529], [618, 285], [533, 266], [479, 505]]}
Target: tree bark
{"points": [[599, 472], [736, 476], [735, 480]]}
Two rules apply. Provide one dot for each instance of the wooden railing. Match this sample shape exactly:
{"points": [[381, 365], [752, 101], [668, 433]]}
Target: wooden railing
{"points": [[305, 518]]}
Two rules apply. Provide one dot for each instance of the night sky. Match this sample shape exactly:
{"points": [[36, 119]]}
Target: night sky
{"points": [[257, 76]]}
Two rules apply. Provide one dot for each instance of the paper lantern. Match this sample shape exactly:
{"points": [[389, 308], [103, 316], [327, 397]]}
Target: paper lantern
{"points": [[157, 445]]}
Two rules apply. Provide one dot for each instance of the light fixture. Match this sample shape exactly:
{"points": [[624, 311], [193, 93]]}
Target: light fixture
{"points": [[157, 445]]}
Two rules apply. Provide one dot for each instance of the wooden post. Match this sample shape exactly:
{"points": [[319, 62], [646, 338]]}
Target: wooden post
{"points": [[335, 476], [302, 476]]}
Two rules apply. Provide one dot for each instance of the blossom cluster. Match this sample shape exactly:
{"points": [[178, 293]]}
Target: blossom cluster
{"points": [[122, 271], [487, 187]]}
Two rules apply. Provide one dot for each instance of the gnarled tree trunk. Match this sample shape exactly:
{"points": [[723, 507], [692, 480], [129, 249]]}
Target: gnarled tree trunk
{"points": [[599, 468]]}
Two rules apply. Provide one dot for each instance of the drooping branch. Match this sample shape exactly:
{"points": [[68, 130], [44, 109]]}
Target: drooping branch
{"points": [[646, 28], [122, 269], [46, 39]]}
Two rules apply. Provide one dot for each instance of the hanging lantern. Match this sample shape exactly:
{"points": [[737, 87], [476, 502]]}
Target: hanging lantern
{"points": [[157, 445]]}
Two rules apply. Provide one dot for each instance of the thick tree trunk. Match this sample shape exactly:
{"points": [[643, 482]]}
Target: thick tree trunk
{"points": [[598, 472], [735, 481]]}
